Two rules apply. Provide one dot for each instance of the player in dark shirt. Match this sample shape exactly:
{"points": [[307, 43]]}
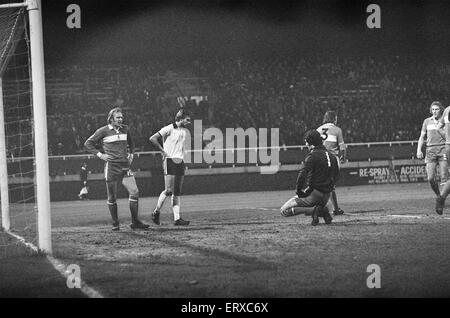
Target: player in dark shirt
{"points": [[118, 152], [315, 181]]}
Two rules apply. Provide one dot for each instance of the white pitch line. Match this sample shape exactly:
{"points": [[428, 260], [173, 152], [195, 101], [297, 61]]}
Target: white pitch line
{"points": [[406, 216], [59, 266], [416, 216], [23, 241], [85, 288], [263, 209]]}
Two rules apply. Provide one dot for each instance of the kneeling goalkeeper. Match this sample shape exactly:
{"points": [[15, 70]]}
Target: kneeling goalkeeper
{"points": [[315, 181]]}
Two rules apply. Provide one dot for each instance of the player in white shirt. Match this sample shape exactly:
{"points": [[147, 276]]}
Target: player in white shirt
{"points": [[172, 150], [334, 143]]}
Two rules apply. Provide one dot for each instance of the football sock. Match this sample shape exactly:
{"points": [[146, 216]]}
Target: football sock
{"points": [[176, 207], [297, 210], [134, 209], [435, 187], [161, 199], [334, 201], [113, 211], [308, 211]]}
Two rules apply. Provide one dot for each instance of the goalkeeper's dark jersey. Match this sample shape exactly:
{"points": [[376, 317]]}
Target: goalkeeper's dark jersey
{"points": [[320, 172], [116, 143]]}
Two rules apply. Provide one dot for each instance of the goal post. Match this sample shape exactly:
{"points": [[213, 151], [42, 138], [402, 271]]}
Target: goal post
{"points": [[40, 125], [40, 143], [4, 192]]}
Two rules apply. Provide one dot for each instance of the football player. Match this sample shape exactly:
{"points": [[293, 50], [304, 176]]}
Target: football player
{"points": [[118, 152], [435, 147], [172, 150], [444, 122], [315, 181], [334, 143]]}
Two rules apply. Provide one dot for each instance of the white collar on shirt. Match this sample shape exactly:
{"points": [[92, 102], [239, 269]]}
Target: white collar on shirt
{"points": [[111, 127]]}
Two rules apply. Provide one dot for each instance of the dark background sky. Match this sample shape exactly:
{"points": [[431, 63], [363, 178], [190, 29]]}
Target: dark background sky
{"points": [[138, 30]]}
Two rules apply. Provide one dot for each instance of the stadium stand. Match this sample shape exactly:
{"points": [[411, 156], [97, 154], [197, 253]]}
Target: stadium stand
{"points": [[377, 98]]}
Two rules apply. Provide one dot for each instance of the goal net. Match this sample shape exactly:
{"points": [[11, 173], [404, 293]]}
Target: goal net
{"points": [[22, 215]]}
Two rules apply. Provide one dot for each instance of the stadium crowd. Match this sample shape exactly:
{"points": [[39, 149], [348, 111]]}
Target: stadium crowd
{"points": [[376, 98]]}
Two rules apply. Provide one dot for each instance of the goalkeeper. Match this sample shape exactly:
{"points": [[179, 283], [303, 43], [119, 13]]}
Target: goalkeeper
{"points": [[118, 155], [315, 182]]}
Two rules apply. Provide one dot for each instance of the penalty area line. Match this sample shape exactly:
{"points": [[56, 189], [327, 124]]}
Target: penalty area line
{"points": [[264, 209], [58, 266], [412, 216]]}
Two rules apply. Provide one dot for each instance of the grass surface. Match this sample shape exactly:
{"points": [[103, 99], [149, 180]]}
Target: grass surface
{"points": [[239, 246]]}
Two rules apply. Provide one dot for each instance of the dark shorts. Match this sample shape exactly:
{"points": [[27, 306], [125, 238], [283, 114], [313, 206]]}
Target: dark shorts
{"points": [[338, 160], [116, 171], [436, 153], [173, 167], [315, 198]]}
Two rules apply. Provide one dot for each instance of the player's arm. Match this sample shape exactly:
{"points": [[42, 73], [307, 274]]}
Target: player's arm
{"points": [[154, 140], [342, 147], [441, 122], [130, 143], [421, 140], [94, 140], [304, 178], [343, 152]]}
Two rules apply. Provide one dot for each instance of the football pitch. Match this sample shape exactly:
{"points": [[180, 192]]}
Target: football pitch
{"points": [[239, 246]]}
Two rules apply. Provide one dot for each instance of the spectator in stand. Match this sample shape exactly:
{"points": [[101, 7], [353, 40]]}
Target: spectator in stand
{"points": [[259, 91]]}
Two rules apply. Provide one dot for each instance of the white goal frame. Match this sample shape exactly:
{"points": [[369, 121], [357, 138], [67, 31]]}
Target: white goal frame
{"points": [[40, 131]]}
